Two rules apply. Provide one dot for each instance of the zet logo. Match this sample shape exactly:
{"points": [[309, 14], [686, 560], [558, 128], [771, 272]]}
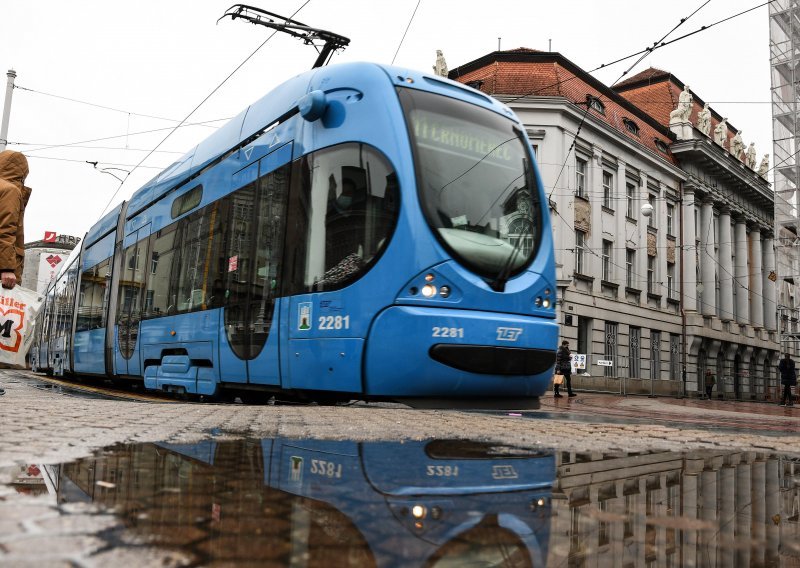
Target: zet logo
{"points": [[508, 333]]}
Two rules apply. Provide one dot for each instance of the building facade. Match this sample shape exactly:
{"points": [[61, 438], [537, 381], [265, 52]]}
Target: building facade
{"points": [[663, 236], [44, 259]]}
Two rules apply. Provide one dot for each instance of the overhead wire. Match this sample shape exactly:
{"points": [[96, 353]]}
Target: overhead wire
{"points": [[646, 51], [402, 39], [128, 112], [665, 36], [225, 80], [70, 144]]}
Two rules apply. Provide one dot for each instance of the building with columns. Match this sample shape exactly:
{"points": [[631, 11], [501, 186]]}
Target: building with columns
{"points": [[700, 508], [664, 236]]}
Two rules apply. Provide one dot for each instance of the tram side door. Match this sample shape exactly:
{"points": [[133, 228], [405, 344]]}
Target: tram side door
{"points": [[255, 214], [130, 297]]}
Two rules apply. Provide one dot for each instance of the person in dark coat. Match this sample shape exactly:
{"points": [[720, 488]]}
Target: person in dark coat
{"points": [[564, 367], [788, 379], [711, 380]]}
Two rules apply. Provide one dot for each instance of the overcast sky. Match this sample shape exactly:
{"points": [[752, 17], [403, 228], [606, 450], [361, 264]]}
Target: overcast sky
{"points": [[163, 58]]}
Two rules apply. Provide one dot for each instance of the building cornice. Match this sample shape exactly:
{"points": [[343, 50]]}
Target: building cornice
{"points": [[566, 106]]}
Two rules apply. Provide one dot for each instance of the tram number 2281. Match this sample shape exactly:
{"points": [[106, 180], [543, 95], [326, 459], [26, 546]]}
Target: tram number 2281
{"points": [[334, 322], [447, 332]]}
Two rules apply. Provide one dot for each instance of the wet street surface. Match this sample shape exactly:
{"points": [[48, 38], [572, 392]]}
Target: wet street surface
{"points": [[285, 502], [88, 479]]}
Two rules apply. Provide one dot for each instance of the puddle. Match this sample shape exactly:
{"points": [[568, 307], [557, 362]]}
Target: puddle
{"points": [[438, 503]]}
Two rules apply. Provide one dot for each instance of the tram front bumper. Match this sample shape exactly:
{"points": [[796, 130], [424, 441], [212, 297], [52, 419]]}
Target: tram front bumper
{"points": [[433, 352]]}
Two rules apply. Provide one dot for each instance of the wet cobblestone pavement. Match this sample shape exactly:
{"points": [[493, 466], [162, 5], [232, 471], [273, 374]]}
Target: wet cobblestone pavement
{"points": [[41, 428]]}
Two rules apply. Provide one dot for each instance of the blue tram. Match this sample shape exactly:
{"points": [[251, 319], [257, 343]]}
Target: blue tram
{"points": [[338, 503], [361, 232]]}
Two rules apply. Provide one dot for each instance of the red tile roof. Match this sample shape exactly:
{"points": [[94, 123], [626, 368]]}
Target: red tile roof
{"points": [[656, 92], [526, 73]]}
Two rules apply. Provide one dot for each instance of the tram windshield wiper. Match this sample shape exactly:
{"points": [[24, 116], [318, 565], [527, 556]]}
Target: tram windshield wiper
{"points": [[309, 35]]}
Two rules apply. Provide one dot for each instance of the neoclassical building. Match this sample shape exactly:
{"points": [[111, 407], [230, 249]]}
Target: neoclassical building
{"points": [[664, 236]]}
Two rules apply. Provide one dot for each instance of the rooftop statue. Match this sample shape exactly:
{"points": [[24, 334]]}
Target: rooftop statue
{"points": [[684, 108], [704, 120], [763, 168], [751, 156], [441, 67], [737, 145], [721, 132]]}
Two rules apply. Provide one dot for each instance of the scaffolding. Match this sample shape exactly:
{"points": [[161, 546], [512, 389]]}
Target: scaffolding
{"points": [[784, 40]]}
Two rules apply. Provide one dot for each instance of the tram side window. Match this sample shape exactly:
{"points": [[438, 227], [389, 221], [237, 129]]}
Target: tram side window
{"points": [[49, 314], [65, 300], [160, 298], [93, 297], [199, 234], [344, 211]]}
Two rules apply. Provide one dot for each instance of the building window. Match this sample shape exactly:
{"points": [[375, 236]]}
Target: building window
{"points": [[670, 219], [662, 147], [630, 199], [630, 266], [608, 190], [651, 274], [651, 221], [596, 104], [607, 260], [611, 349], [675, 357], [671, 280], [631, 126], [580, 246], [655, 354], [580, 177], [634, 355]]}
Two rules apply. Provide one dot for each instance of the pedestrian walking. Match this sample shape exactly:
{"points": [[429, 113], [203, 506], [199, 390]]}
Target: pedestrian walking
{"points": [[564, 367], [788, 379], [13, 199], [711, 380]]}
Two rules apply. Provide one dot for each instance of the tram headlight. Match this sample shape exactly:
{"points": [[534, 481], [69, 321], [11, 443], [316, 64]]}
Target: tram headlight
{"points": [[538, 302], [546, 302], [537, 503], [429, 290], [444, 291], [418, 511]]}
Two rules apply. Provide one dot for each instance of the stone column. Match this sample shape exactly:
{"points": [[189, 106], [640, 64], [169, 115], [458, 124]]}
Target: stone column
{"points": [[641, 251], [661, 243], [744, 521], [594, 241], [726, 271], [709, 539], [620, 249], [708, 264], [773, 507], [758, 492], [756, 282], [740, 271], [727, 513], [688, 239], [690, 537], [769, 286]]}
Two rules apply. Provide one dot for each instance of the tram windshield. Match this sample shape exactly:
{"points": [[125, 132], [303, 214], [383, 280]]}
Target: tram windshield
{"points": [[475, 182]]}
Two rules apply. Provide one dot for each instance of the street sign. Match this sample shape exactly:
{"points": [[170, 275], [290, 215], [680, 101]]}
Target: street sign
{"points": [[605, 363], [578, 361]]}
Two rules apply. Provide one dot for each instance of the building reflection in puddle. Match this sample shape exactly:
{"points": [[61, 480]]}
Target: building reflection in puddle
{"points": [[445, 503], [323, 503]]}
